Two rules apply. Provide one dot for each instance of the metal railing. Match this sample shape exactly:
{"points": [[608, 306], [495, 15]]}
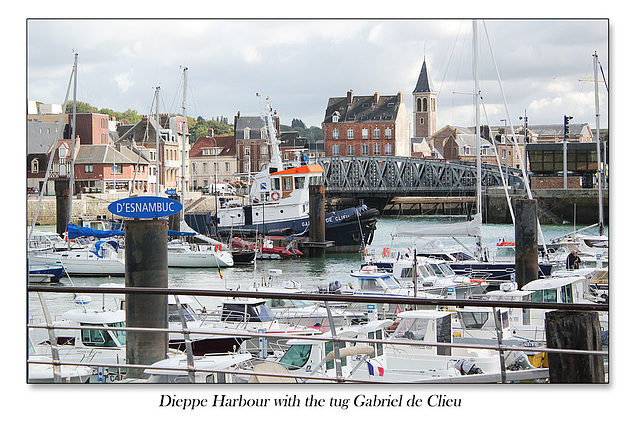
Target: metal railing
{"points": [[328, 300]]}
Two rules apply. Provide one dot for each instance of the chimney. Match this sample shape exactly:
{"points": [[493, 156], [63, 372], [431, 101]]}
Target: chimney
{"points": [[376, 98], [400, 98], [210, 132], [350, 96]]}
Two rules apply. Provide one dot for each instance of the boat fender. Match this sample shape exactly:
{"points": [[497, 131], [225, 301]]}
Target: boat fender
{"points": [[386, 252], [217, 248], [275, 195]]}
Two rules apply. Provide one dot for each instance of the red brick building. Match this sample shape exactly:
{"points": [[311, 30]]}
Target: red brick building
{"points": [[370, 125]]}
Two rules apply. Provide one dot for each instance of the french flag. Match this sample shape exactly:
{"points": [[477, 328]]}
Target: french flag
{"points": [[375, 370]]}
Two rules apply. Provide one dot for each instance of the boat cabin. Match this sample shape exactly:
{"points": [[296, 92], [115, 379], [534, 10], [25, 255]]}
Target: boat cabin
{"points": [[370, 279], [318, 357], [253, 310], [426, 325]]}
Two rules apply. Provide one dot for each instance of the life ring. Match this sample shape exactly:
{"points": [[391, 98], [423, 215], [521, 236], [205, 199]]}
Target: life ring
{"points": [[217, 247], [386, 252], [275, 195]]}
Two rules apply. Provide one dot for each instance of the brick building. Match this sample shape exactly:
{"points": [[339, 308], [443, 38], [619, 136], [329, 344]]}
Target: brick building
{"points": [[369, 125]]}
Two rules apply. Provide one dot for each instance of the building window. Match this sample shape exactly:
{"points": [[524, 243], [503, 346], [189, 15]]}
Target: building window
{"points": [[388, 149], [335, 134], [376, 149], [247, 133], [335, 150], [365, 150], [247, 151], [349, 133], [226, 166], [35, 166], [419, 105], [194, 168], [376, 133], [117, 169], [349, 150], [88, 168], [387, 133], [263, 151], [365, 133], [421, 120], [335, 118]]}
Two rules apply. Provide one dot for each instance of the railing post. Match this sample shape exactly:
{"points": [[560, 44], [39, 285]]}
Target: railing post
{"points": [[336, 349], [187, 341]]}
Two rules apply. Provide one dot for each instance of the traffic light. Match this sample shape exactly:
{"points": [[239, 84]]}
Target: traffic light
{"points": [[566, 126]]}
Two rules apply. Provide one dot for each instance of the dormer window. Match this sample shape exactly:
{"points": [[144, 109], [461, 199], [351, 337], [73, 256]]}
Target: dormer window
{"points": [[247, 133], [335, 117]]}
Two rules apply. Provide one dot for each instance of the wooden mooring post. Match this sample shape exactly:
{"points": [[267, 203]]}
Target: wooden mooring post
{"points": [[576, 330]]}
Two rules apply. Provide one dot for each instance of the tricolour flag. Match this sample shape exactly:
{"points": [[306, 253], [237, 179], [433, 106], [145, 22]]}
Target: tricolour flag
{"points": [[375, 370]]}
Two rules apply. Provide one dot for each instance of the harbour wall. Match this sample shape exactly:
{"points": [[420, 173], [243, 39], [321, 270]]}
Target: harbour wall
{"points": [[555, 206]]}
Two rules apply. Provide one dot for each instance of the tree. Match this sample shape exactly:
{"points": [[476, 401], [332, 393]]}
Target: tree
{"points": [[297, 123]]}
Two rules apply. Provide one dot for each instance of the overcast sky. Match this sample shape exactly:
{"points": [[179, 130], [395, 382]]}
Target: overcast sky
{"points": [[300, 64]]}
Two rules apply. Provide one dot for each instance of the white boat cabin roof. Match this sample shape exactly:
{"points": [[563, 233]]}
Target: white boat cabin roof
{"points": [[95, 316], [552, 283]]}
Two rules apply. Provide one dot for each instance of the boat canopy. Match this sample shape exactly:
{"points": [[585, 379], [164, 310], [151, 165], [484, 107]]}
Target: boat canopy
{"points": [[76, 231], [471, 228]]}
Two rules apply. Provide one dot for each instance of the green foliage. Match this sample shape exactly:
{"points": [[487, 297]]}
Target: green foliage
{"points": [[297, 123], [200, 127], [312, 134]]}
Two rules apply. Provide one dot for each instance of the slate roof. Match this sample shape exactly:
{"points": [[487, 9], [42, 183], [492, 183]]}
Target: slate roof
{"points": [[226, 143], [254, 123], [423, 85], [362, 109], [107, 154]]}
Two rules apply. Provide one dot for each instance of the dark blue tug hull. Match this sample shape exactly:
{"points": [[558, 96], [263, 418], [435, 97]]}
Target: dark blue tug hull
{"points": [[350, 229]]}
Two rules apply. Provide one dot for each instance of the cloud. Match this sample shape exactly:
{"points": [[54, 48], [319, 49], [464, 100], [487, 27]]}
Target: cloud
{"points": [[124, 81]]}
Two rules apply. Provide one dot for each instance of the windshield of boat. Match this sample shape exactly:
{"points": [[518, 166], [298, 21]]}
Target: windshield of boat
{"points": [[473, 319], [412, 329], [174, 315], [288, 303], [103, 338], [296, 356], [506, 252]]}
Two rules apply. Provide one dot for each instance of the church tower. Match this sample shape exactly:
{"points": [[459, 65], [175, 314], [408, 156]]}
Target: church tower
{"points": [[424, 106]]}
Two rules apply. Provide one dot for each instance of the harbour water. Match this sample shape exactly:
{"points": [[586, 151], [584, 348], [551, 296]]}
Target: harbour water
{"points": [[310, 273]]}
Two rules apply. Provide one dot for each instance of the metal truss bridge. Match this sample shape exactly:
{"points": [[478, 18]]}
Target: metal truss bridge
{"points": [[388, 177]]}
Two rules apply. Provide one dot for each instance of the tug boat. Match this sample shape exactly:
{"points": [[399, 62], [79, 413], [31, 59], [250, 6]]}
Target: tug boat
{"points": [[278, 204]]}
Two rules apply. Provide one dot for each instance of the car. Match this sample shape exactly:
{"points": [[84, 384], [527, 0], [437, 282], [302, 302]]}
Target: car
{"points": [[32, 190]]}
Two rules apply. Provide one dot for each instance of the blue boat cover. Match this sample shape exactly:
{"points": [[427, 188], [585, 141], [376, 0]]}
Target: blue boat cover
{"points": [[77, 231]]}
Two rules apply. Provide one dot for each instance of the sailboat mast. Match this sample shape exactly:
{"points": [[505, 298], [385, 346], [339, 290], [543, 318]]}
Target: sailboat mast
{"points": [[157, 140], [184, 141], [600, 180], [476, 94], [73, 144]]}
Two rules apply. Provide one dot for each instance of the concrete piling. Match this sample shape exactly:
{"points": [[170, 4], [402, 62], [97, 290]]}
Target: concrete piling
{"points": [[146, 267]]}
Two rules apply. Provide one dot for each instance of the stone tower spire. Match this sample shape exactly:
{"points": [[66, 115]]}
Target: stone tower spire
{"points": [[424, 105]]}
